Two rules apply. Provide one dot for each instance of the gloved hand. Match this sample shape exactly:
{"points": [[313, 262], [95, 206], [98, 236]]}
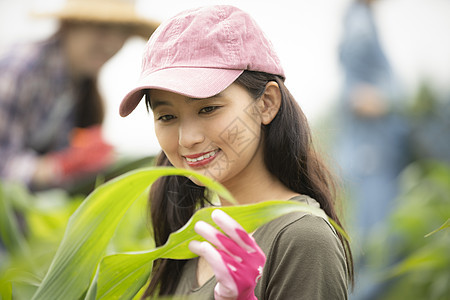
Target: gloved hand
{"points": [[88, 153], [237, 261]]}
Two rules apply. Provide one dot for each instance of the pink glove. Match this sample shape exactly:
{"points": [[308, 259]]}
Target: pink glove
{"points": [[237, 261]]}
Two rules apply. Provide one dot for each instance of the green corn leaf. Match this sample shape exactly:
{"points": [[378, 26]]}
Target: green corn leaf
{"points": [[92, 226], [121, 276]]}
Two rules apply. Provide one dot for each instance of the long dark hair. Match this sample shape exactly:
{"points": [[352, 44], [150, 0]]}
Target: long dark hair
{"points": [[174, 199], [89, 106]]}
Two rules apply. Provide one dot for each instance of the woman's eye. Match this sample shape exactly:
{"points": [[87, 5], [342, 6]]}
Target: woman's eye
{"points": [[166, 118], [208, 109]]}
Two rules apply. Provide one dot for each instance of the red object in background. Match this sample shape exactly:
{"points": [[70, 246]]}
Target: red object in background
{"points": [[88, 153]]}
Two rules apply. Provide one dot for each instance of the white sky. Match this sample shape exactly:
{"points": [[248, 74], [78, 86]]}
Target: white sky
{"points": [[305, 33]]}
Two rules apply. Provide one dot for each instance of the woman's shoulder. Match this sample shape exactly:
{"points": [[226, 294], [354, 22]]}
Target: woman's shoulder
{"points": [[298, 225], [297, 228], [302, 233]]}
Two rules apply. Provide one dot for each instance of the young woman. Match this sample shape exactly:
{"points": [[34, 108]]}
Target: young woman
{"points": [[215, 87]]}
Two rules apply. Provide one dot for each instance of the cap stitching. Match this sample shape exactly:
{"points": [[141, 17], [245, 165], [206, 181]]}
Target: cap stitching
{"points": [[226, 24]]}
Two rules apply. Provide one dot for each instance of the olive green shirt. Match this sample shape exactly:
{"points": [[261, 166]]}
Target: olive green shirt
{"points": [[305, 260]]}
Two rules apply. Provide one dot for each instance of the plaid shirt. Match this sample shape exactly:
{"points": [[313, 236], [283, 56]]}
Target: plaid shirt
{"points": [[36, 106]]}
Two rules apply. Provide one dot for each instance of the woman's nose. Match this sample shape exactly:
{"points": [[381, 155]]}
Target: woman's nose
{"points": [[190, 133]]}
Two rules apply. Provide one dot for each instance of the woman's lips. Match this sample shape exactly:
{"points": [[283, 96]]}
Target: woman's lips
{"points": [[201, 159]]}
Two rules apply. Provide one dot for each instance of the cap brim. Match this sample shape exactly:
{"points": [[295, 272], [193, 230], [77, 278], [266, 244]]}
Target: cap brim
{"points": [[190, 82]]}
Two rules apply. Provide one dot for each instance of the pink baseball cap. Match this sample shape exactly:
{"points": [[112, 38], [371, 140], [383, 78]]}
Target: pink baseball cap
{"points": [[200, 52]]}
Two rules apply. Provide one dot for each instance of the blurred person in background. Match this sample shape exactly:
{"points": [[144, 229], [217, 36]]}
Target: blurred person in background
{"points": [[372, 138], [51, 111]]}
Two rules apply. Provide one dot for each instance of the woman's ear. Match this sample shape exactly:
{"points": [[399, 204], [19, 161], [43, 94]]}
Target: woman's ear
{"points": [[269, 103]]}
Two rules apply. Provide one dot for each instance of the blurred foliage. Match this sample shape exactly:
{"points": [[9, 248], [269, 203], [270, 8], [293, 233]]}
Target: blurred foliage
{"points": [[429, 116], [416, 263], [32, 225]]}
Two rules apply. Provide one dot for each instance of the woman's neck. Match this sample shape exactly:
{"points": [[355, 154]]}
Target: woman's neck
{"points": [[257, 187]]}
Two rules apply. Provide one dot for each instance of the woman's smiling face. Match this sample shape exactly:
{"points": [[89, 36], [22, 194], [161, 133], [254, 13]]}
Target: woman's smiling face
{"points": [[218, 136]]}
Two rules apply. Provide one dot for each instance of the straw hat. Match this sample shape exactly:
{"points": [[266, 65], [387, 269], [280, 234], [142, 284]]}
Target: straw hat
{"points": [[105, 12]]}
